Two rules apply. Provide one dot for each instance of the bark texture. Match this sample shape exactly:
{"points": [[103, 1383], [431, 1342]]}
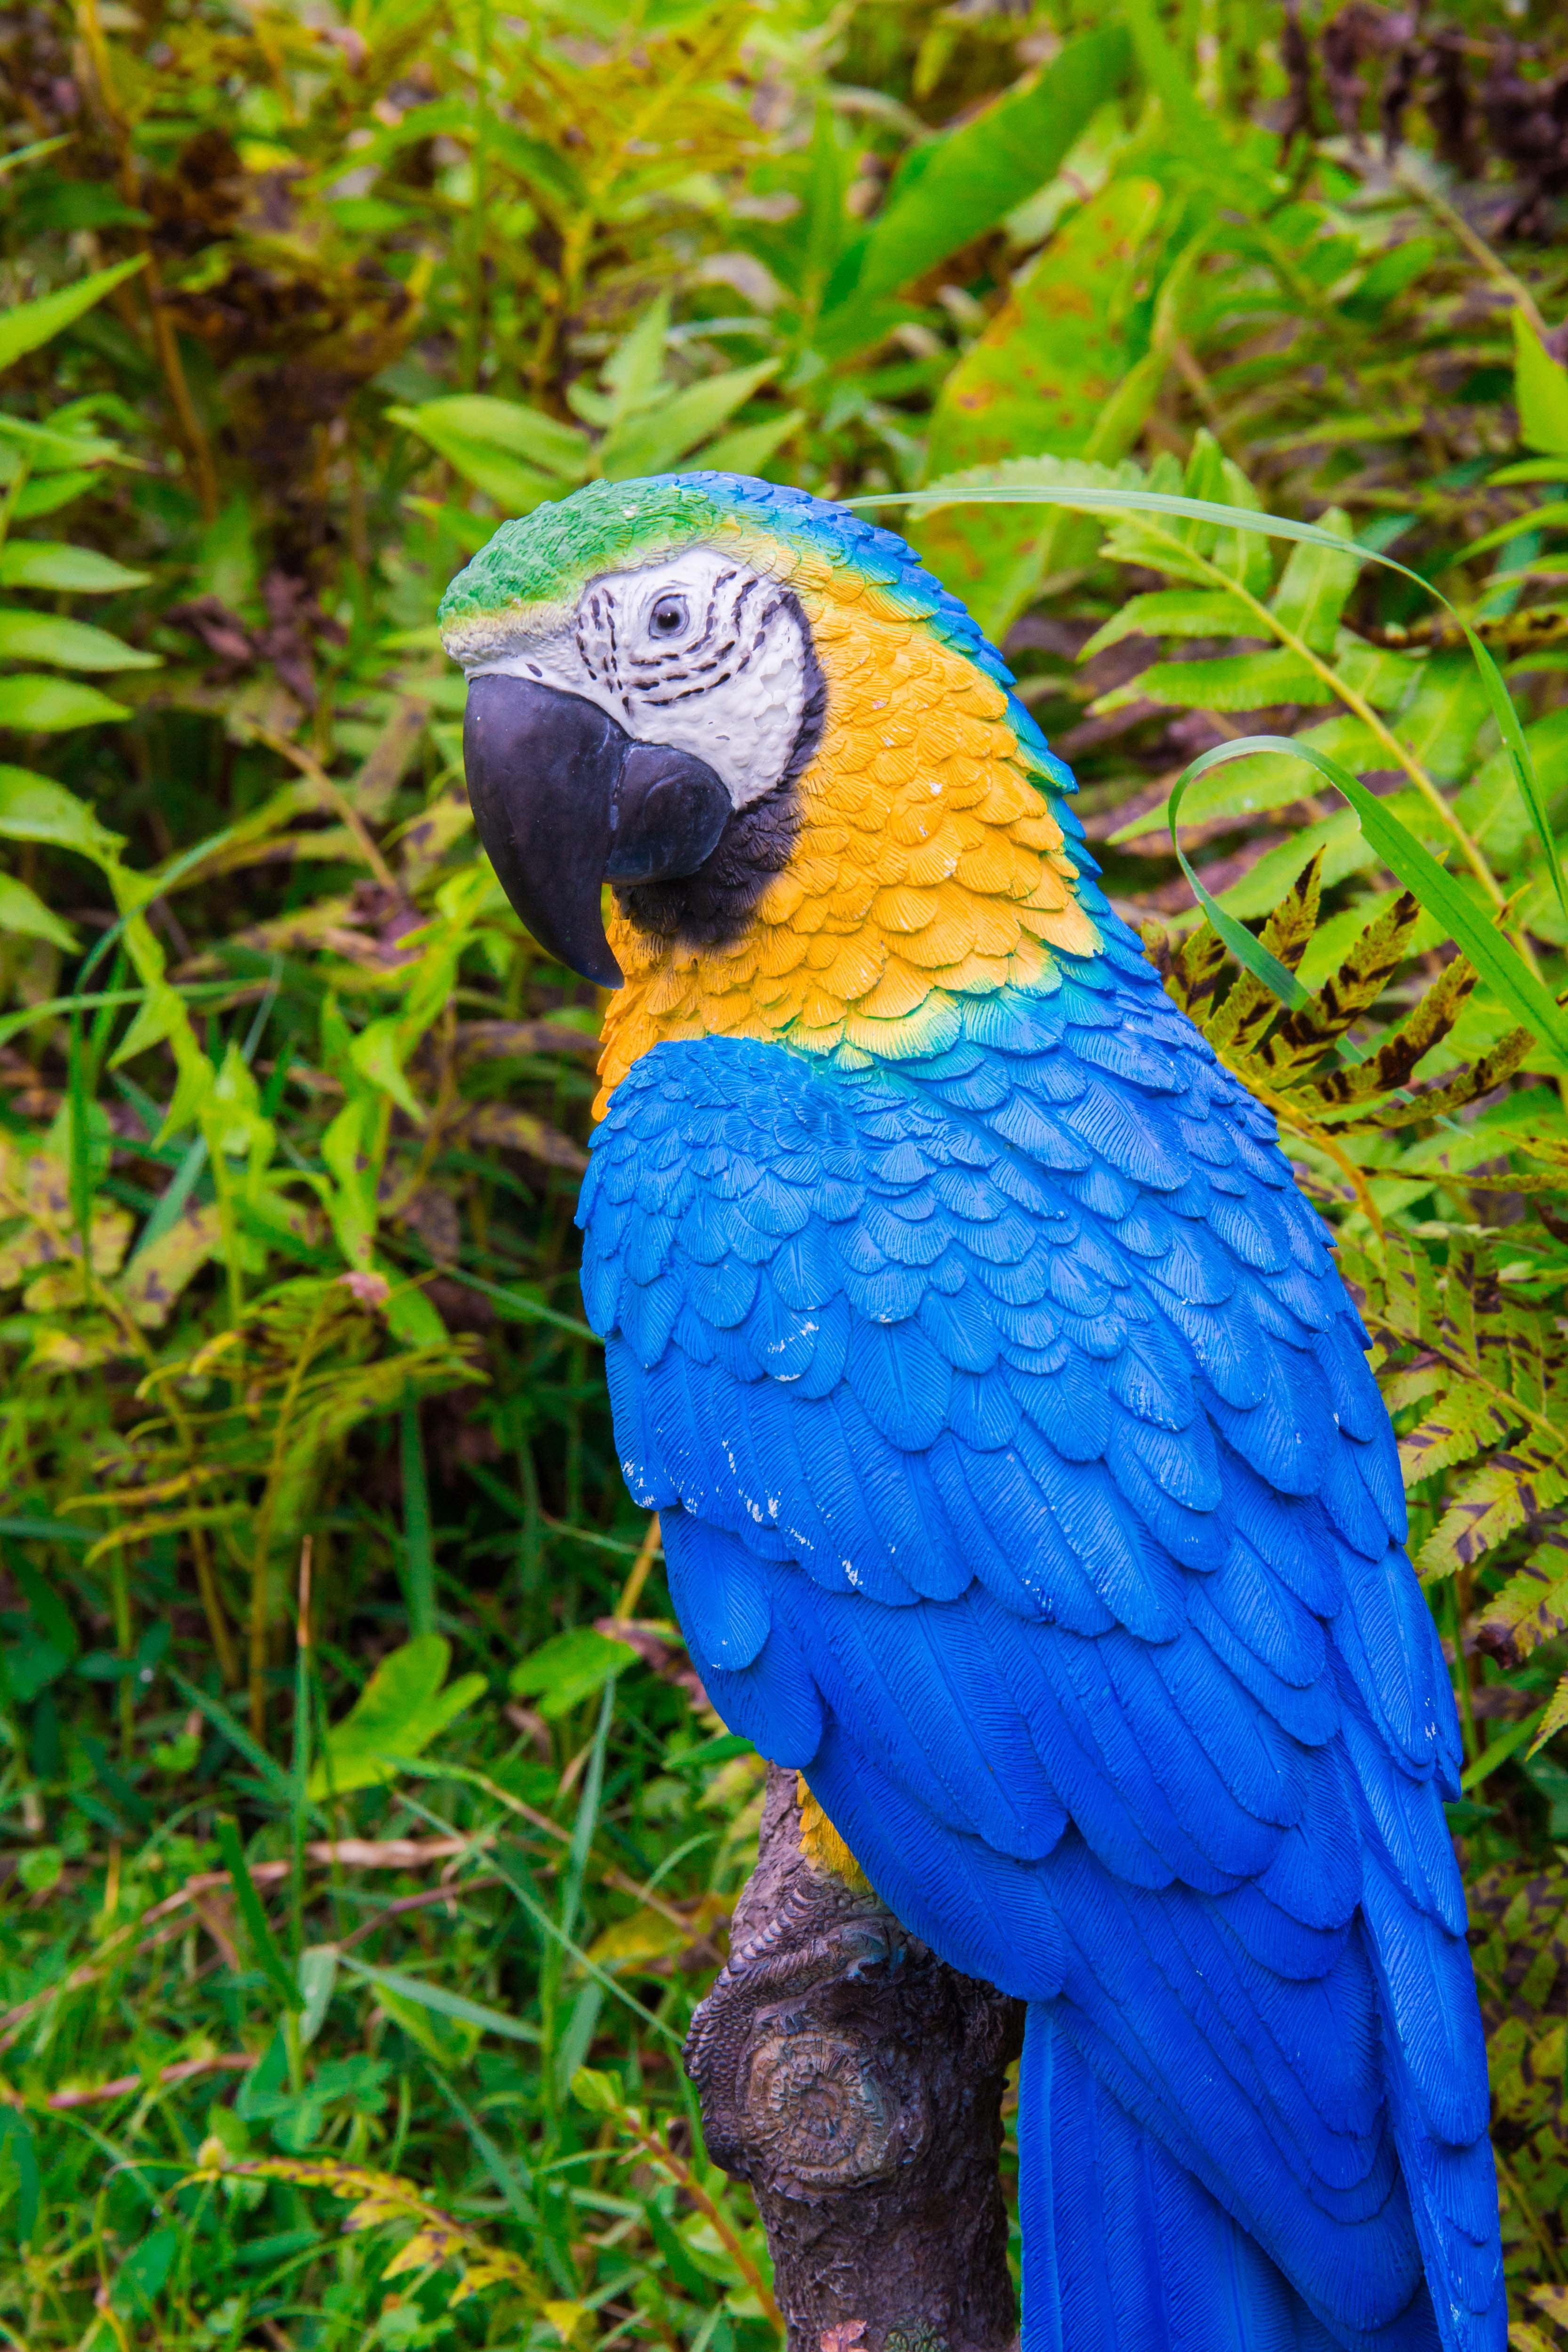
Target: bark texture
{"points": [[856, 2082]]}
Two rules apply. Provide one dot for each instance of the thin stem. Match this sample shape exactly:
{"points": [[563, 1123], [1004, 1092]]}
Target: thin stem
{"points": [[165, 343], [1476, 246], [119, 1594], [218, 1626], [649, 1551], [479, 169], [681, 2173], [268, 1505], [301, 1749], [1273, 627], [337, 800]]}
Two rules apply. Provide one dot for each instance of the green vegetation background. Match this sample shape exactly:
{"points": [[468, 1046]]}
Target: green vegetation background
{"points": [[365, 1840]]}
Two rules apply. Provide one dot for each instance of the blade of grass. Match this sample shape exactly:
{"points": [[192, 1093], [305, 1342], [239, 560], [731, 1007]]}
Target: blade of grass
{"points": [[263, 1943], [272, 1774], [1517, 748], [1097, 498], [526, 1900], [1502, 1748], [418, 1552], [443, 2003], [1493, 958]]}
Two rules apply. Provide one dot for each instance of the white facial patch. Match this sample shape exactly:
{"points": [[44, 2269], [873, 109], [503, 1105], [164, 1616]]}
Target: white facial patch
{"points": [[699, 653]]}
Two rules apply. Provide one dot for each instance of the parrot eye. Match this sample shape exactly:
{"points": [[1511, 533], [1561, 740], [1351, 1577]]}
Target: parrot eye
{"points": [[669, 617]]}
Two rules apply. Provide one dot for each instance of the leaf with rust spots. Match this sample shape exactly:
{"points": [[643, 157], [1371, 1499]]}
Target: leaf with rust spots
{"points": [[158, 1273], [1249, 1008], [1471, 1417], [1533, 1606], [1505, 1493], [500, 1127]]}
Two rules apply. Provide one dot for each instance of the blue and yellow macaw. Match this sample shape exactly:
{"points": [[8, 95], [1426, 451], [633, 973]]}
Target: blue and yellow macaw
{"points": [[1023, 1483]]}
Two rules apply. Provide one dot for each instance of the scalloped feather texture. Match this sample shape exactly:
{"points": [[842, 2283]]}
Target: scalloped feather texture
{"points": [[1024, 1487], [929, 866]]}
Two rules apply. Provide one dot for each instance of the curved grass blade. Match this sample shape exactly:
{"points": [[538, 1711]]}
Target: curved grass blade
{"points": [[1097, 498], [1248, 950], [1523, 766], [1498, 962]]}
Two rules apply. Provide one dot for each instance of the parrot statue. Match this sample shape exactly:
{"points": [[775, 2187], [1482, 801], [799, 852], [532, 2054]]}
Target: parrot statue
{"points": [[1022, 1480]]}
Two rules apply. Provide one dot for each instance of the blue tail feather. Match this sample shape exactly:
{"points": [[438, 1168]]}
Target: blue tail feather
{"points": [[1125, 2251]]}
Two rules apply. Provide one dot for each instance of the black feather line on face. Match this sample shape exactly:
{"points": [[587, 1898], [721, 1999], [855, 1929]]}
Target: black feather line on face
{"points": [[711, 907]]}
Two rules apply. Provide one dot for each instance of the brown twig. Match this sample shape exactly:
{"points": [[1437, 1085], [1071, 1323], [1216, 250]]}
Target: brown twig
{"points": [[184, 2070], [165, 343], [417, 1903], [680, 2172], [353, 1853]]}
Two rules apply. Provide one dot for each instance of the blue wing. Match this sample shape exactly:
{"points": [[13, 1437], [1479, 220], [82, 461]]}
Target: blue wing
{"points": [[1023, 1483]]}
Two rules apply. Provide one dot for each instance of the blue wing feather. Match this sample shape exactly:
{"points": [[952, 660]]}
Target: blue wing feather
{"points": [[1024, 1484]]}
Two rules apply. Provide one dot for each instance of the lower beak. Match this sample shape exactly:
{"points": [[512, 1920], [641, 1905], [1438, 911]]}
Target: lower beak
{"points": [[566, 800]]}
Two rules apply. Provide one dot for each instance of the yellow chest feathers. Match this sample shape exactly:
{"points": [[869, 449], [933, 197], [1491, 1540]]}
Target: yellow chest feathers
{"points": [[926, 866]]}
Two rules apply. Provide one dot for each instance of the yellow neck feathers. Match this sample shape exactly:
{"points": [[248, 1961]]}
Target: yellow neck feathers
{"points": [[927, 866]]}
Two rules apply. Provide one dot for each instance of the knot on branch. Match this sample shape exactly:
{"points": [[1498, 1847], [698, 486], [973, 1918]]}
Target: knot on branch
{"points": [[856, 2082], [827, 2110]]}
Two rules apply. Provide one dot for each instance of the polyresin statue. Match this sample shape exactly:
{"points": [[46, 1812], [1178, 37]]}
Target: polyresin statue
{"points": [[1022, 1481]]}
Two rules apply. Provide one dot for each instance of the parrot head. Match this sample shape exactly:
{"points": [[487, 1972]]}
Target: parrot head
{"points": [[822, 813]]}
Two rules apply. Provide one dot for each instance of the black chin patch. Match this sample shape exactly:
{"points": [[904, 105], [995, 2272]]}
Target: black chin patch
{"points": [[711, 907]]}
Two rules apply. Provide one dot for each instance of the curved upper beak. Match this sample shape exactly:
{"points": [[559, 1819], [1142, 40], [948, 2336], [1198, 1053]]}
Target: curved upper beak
{"points": [[566, 800]]}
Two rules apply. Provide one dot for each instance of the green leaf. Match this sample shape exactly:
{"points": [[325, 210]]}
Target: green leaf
{"points": [[50, 451], [35, 808], [1039, 376], [1050, 375], [318, 1977], [998, 576], [1175, 613], [953, 188], [635, 368], [1551, 517], [1315, 587], [18, 2148], [28, 325], [1518, 750], [1540, 390], [1439, 723], [570, 1668], [47, 493], [74, 645], [32, 153], [378, 1055], [51, 564], [140, 2278], [1194, 131], [544, 167], [1222, 682], [542, 442], [442, 2003], [399, 1712], [267, 1767], [23, 912], [263, 1943], [749, 447], [653, 439], [598, 2092], [1264, 783], [34, 705], [512, 485]]}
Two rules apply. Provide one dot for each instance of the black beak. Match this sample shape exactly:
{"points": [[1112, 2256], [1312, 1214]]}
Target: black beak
{"points": [[567, 800]]}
